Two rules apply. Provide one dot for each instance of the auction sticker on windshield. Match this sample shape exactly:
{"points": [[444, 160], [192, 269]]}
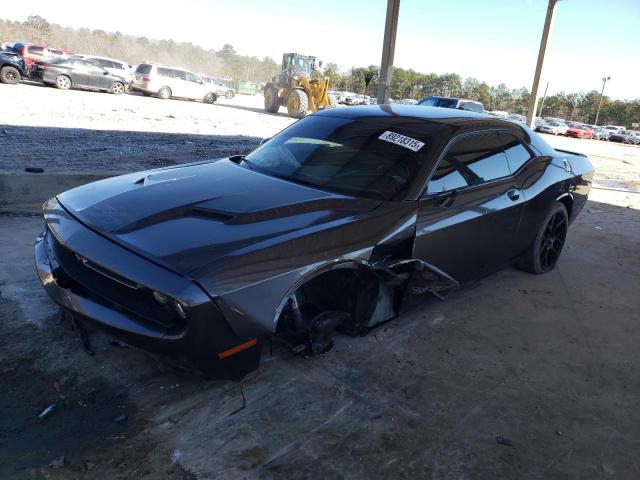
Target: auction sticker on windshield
{"points": [[402, 140]]}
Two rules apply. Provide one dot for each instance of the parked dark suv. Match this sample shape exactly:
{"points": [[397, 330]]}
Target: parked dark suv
{"points": [[447, 102], [12, 67]]}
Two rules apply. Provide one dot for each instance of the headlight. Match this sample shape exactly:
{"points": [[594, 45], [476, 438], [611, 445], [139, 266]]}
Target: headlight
{"points": [[161, 298], [177, 307], [170, 304]]}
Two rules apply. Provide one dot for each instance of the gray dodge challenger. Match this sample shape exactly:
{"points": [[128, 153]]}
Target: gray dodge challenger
{"points": [[332, 225]]}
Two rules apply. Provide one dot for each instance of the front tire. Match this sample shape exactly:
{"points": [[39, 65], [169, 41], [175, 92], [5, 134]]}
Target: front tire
{"points": [[543, 254], [229, 94], [297, 104], [63, 82], [164, 93], [271, 100], [117, 88], [10, 75]]}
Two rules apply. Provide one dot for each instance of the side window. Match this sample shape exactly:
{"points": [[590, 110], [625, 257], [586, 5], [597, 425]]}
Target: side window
{"points": [[118, 66], [35, 50], [179, 74], [472, 160], [105, 63], [517, 154], [164, 72], [192, 78]]}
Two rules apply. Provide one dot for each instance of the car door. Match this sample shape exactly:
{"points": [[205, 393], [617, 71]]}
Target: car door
{"points": [[78, 71], [196, 86], [470, 211], [97, 77], [179, 87]]}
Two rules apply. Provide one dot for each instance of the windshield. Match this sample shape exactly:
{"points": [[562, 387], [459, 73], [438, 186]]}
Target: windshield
{"points": [[301, 65], [344, 156]]}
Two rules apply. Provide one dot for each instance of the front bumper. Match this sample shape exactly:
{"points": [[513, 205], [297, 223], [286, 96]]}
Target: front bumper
{"points": [[122, 303]]}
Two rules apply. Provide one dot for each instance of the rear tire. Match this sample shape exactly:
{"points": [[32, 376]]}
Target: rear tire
{"points": [[164, 93], [543, 254], [229, 94], [271, 100], [210, 98], [117, 88], [63, 82], [297, 103], [10, 75]]}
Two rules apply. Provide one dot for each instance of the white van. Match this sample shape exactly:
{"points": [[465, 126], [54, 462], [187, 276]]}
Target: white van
{"points": [[171, 82]]}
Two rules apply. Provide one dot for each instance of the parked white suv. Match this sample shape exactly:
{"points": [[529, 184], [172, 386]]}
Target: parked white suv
{"points": [[171, 82], [119, 68]]}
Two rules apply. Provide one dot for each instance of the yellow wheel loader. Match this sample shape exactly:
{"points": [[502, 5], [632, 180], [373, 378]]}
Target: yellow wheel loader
{"points": [[297, 87]]}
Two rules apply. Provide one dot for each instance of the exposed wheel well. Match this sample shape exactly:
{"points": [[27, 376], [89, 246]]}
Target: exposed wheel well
{"points": [[567, 201], [350, 292]]}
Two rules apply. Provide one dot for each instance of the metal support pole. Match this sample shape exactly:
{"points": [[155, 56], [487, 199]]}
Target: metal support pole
{"points": [[604, 82], [544, 97], [388, 49], [533, 99]]}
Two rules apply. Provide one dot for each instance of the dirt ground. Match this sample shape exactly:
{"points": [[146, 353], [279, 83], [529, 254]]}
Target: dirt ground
{"points": [[518, 377], [89, 131]]}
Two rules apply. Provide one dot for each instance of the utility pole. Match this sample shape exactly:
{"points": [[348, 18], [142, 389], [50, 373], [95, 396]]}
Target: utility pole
{"points": [[604, 82], [544, 97], [533, 100], [388, 49]]}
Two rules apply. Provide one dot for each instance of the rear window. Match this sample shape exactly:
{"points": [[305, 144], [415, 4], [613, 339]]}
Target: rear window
{"points": [[472, 107], [53, 51], [144, 69]]}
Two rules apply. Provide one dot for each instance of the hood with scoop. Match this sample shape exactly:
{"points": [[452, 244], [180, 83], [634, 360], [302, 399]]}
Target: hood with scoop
{"points": [[189, 216]]}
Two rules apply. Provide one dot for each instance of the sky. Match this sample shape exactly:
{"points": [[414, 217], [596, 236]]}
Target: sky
{"points": [[492, 40]]}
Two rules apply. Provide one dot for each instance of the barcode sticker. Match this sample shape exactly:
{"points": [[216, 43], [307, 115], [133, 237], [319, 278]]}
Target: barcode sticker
{"points": [[402, 140]]}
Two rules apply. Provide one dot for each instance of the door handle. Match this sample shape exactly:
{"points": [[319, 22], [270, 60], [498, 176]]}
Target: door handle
{"points": [[513, 194]]}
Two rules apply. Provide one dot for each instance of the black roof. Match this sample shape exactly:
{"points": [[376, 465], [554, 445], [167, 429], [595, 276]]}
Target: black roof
{"points": [[443, 116], [401, 110]]}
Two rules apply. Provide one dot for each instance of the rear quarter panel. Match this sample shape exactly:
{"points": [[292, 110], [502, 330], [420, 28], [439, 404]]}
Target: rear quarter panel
{"points": [[546, 180]]}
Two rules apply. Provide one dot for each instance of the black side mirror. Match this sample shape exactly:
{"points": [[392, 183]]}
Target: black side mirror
{"points": [[105, 73]]}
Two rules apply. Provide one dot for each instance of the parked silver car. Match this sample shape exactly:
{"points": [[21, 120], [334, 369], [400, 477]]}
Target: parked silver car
{"points": [[219, 88], [553, 128], [119, 68]]}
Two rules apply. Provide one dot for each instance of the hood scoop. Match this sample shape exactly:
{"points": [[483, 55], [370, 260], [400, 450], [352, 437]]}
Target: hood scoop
{"points": [[173, 214]]}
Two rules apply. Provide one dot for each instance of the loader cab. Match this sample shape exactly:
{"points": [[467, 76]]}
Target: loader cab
{"points": [[294, 64]]}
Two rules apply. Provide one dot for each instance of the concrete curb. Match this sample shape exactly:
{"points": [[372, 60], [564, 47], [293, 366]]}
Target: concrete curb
{"points": [[35, 188]]}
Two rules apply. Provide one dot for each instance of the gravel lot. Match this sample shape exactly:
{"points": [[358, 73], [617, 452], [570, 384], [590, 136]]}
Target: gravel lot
{"points": [[88, 131], [518, 377]]}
